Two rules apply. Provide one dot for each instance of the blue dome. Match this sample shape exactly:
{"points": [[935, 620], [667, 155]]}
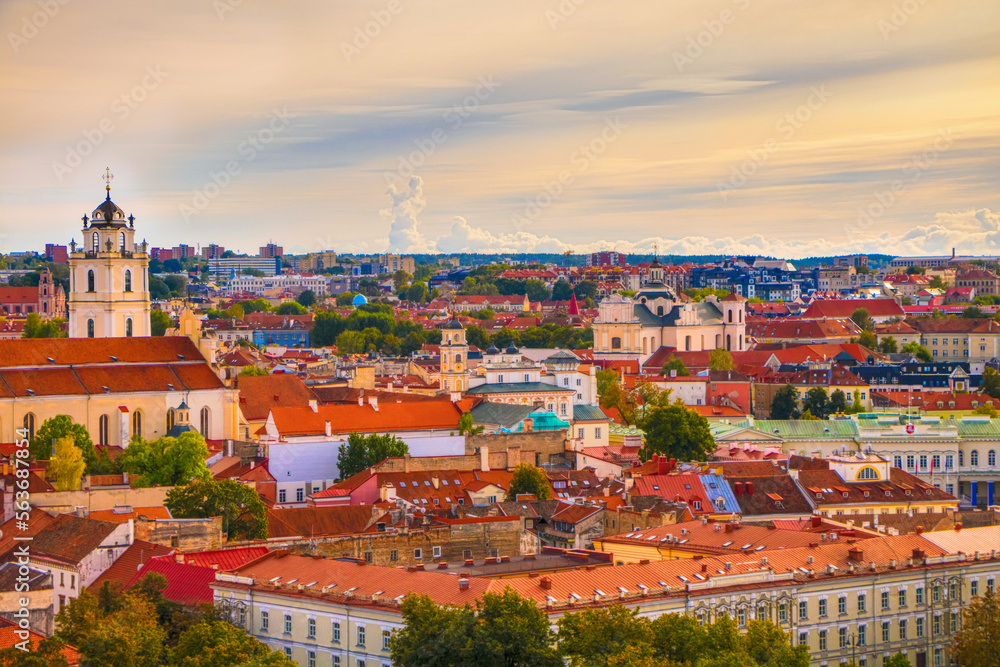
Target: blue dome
{"points": [[359, 300]]}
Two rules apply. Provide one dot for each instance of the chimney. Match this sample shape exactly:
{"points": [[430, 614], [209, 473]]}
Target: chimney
{"points": [[314, 405], [529, 424], [80, 512], [855, 554], [373, 401], [328, 428], [545, 583], [958, 526], [361, 399], [738, 488], [749, 488], [463, 584], [662, 466], [817, 521], [484, 459]]}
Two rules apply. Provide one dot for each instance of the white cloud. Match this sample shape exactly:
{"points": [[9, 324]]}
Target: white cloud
{"points": [[407, 203]]}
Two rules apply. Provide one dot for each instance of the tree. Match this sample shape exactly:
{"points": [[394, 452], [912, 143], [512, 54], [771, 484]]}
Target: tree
{"points": [[785, 404], [990, 384], [291, 308], [887, 345], [259, 305], [466, 425], [48, 653], [592, 638], [244, 514], [476, 335], [433, 636], [868, 339], [863, 319], [159, 322], [678, 638], [913, 347], [937, 282], [34, 327], [67, 464], [61, 426], [527, 479], [987, 410], [252, 371], [514, 631], [131, 636], [898, 660], [720, 359], [307, 298], [400, 279], [587, 289], [361, 452], [977, 644], [816, 402], [484, 314], [166, 461], [537, 290], [605, 378], [674, 364], [838, 402], [915, 270], [562, 290], [677, 432], [417, 292], [236, 311], [857, 406], [973, 313], [220, 644], [616, 397]]}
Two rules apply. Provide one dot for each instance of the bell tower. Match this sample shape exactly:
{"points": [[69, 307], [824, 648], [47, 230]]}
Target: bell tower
{"points": [[454, 357], [108, 276]]}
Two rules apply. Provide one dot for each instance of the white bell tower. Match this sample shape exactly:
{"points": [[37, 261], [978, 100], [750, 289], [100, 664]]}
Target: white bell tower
{"points": [[108, 276]]}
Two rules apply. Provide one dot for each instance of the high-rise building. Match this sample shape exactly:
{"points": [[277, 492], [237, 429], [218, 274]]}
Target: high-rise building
{"points": [[606, 258], [108, 277], [212, 251], [56, 254], [271, 250]]}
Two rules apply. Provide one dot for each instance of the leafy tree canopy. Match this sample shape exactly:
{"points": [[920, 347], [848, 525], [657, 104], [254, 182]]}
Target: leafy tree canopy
{"points": [[528, 479], [166, 461], [676, 431], [244, 514], [363, 451]]}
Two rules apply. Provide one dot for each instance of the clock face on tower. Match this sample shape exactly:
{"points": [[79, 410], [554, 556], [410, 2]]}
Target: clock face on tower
{"points": [[458, 367]]}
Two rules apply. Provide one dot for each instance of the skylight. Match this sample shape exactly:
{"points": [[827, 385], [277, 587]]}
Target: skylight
{"points": [[746, 546], [622, 589], [598, 591], [760, 548], [726, 544], [574, 596]]}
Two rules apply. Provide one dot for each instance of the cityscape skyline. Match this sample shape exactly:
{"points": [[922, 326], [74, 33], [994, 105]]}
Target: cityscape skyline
{"points": [[543, 128]]}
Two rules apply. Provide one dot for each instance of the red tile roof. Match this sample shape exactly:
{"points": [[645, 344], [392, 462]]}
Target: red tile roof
{"points": [[86, 351], [124, 569], [223, 559], [9, 638], [347, 418], [186, 584], [318, 521], [118, 516], [839, 308]]}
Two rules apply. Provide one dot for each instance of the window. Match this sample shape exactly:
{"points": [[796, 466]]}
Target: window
{"points": [[885, 631], [336, 632], [920, 627], [961, 458], [311, 634], [909, 462], [937, 592], [803, 606], [263, 620], [902, 628], [288, 652], [936, 462], [311, 659], [90, 328], [803, 638], [336, 661], [862, 632], [842, 605], [281, 495], [843, 637], [29, 425], [96, 240], [128, 327], [991, 458], [953, 590], [885, 599], [902, 597], [299, 495], [288, 624], [920, 595], [206, 420], [597, 432], [954, 622], [822, 608], [937, 625], [741, 617], [974, 587], [435, 552], [91, 281], [616, 343], [128, 280], [361, 635], [579, 433], [923, 462], [897, 462], [393, 555], [974, 457], [102, 430], [121, 240], [137, 424], [822, 640], [868, 473], [418, 554], [861, 602], [385, 640], [782, 612]]}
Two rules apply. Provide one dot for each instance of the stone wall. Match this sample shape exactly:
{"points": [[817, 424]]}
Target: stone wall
{"points": [[183, 534]]}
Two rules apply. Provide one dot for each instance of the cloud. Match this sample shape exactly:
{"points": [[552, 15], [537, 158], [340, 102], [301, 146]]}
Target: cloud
{"points": [[407, 203]]}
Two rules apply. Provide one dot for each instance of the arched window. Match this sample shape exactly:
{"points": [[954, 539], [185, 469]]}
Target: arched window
{"points": [[720, 504], [868, 473], [102, 430], [659, 311], [730, 312], [741, 316], [91, 282], [137, 424], [741, 342], [206, 418], [616, 343], [128, 280], [29, 426], [90, 328], [97, 240], [170, 418], [121, 240], [974, 457], [458, 358], [687, 343], [128, 327], [961, 458], [991, 458], [729, 342]]}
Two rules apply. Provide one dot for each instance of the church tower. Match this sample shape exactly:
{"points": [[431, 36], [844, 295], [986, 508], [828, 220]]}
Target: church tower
{"points": [[108, 276], [454, 357]]}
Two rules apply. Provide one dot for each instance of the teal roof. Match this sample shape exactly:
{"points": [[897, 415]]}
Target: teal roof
{"points": [[810, 428], [546, 421], [505, 415], [975, 429], [588, 413], [516, 388]]}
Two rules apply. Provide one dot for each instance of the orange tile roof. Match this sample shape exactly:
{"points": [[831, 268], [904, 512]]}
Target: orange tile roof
{"points": [[129, 563], [9, 638], [318, 521], [116, 516], [86, 351], [351, 418], [258, 394]]}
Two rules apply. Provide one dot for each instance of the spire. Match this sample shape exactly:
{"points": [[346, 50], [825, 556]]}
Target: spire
{"points": [[108, 176], [574, 307]]}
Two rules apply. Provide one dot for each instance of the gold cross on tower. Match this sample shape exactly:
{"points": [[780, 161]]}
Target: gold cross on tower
{"points": [[107, 180]]}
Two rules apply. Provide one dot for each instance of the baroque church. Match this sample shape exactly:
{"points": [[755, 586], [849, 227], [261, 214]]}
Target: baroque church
{"points": [[634, 328], [108, 277]]}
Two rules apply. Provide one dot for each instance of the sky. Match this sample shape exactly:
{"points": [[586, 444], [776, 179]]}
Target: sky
{"points": [[782, 128]]}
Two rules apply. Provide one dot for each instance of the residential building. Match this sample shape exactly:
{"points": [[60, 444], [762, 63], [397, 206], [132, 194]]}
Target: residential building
{"points": [[46, 299], [271, 251]]}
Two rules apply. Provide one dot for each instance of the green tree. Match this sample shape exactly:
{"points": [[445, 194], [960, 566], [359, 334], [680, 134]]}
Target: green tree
{"points": [[605, 378], [592, 638], [915, 270], [913, 347], [616, 397], [307, 298], [61, 426], [515, 632], [484, 314], [868, 339], [857, 406], [721, 359], [291, 308], [244, 514], [476, 335], [159, 322], [220, 644], [674, 364], [676, 431], [838, 401], [679, 638], [236, 311], [817, 403], [48, 653], [537, 290], [562, 290], [785, 404], [34, 327], [527, 479], [400, 279], [417, 292], [973, 313], [259, 305], [863, 319], [898, 660], [363, 451], [466, 425], [977, 644], [887, 345], [67, 464], [937, 282], [587, 289], [990, 384], [252, 371], [986, 410], [433, 635], [166, 461], [131, 636]]}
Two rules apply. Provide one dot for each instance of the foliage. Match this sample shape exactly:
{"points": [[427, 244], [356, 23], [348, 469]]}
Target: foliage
{"points": [[674, 364], [785, 404], [605, 378], [527, 479], [258, 305], [594, 637], [616, 397], [466, 425], [400, 279], [586, 289], [476, 335], [915, 270], [291, 308], [256, 273], [252, 371], [369, 328], [417, 292], [973, 312], [898, 660], [48, 653], [990, 383], [244, 514], [130, 636], [838, 402], [484, 314], [987, 410], [562, 290], [220, 644], [34, 327], [307, 298], [700, 294], [863, 319], [887, 345], [937, 282], [676, 431], [720, 359], [67, 464], [363, 451], [817, 403], [868, 339], [913, 347], [236, 311], [857, 406], [977, 644], [159, 322], [166, 461], [61, 426]]}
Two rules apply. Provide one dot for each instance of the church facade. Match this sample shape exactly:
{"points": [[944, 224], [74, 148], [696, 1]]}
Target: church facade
{"points": [[108, 277], [634, 328]]}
